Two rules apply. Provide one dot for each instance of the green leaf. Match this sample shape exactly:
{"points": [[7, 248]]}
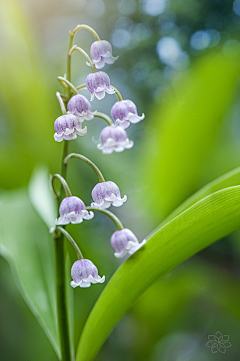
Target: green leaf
{"points": [[185, 124], [28, 247], [227, 180], [41, 197], [207, 221]]}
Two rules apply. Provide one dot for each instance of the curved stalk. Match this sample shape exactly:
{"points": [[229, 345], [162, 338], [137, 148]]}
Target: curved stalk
{"points": [[75, 47], [63, 183], [114, 218], [61, 103], [88, 161], [107, 119], [71, 240], [118, 94], [70, 85], [83, 26], [81, 86]]}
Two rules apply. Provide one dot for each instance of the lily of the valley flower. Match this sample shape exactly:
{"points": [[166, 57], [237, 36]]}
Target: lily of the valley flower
{"points": [[114, 139], [124, 113], [97, 84], [84, 273], [68, 127], [124, 241], [101, 53], [106, 193], [72, 210], [81, 107]]}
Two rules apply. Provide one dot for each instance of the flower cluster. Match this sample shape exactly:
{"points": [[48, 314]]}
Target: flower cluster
{"points": [[113, 138], [124, 112]]}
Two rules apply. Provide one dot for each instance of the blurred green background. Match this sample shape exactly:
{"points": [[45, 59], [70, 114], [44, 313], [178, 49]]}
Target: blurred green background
{"points": [[180, 62]]}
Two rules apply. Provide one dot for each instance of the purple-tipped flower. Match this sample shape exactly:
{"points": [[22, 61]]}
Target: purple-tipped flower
{"points": [[114, 139], [72, 209], [84, 272], [124, 113], [68, 127], [97, 84], [101, 53], [81, 107], [106, 193], [124, 241]]}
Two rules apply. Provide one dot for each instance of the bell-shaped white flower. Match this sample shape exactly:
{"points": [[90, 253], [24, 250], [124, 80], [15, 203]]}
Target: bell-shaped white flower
{"points": [[106, 193], [124, 241], [67, 127], [124, 113], [97, 84], [101, 53], [84, 273], [72, 210], [80, 107], [114, 139]]}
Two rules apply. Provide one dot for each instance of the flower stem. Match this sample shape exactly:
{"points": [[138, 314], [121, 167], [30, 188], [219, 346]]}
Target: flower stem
{"points": [[88, 161], [71, 240], [63, 323], [114, 218], [81, 86], [70, 85], [61, 103], [107, 119], [118, 94], [63, 183], [75, 47], [83, 26]]}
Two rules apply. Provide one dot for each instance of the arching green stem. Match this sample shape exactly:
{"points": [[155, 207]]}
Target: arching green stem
{"points": [[75, 47], [81, 86], [103, 116], [70, 85], [64, 184], [118, 94], [71, 240], [88, 161], [83, 26], [61, 103], [109, 214]]}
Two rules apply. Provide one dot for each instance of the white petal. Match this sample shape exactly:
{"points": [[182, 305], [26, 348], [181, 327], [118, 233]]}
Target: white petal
{"points": [[133, 247], [62, 221], [120, 254], [58, 137], [100, 94], [74, 284]]}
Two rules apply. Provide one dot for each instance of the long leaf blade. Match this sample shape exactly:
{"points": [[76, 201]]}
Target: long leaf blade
{"points": [[202, 224]]}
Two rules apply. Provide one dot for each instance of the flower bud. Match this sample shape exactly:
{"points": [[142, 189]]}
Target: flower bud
{"points": [[124, 113], [72, 209], [80, 107], [101, 53], [106, 193], [83, 273], [97, 84], [114, 139], [124, 241], [68, 127]]}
